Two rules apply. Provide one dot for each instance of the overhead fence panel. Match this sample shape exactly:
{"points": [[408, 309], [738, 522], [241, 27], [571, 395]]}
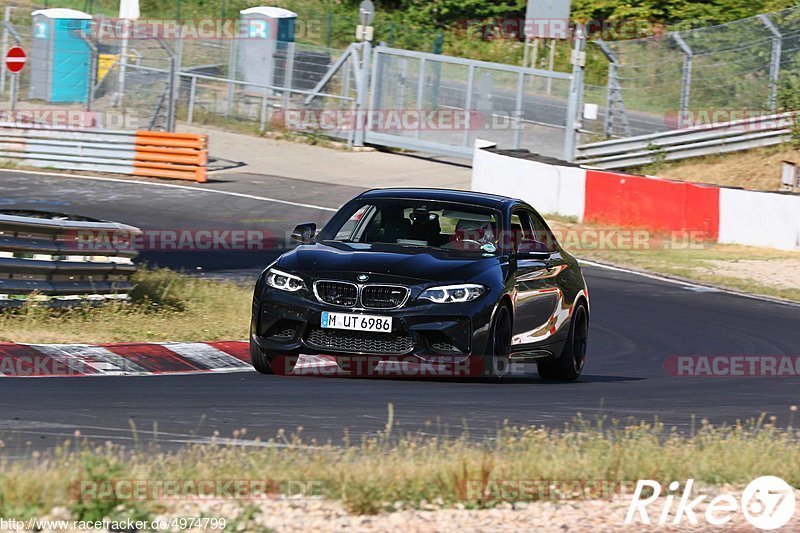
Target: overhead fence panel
{"points": [[441, 104]]}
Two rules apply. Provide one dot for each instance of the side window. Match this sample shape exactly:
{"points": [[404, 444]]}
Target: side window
{"points": [[520, 227], [541, 232], [349, 227]]}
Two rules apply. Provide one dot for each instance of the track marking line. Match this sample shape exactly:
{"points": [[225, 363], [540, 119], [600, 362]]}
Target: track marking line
{"points": [[172, 186], [695, 287]]}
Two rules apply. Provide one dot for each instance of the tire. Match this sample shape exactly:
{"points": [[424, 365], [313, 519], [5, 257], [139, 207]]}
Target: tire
{"points": [[570, 364], [258, 359], [496, 361]]}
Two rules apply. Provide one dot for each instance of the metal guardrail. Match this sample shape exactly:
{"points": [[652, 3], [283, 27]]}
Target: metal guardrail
{"points": [[692, 142], [60, 260], [138, 153]]}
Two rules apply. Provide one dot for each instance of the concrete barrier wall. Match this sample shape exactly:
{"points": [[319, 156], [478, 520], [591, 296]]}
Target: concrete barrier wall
{"points": [[732, 216], [759, 219], [551, 189], [652, 203]]}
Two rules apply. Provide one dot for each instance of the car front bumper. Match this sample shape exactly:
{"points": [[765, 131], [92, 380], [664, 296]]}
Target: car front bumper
{"points": [[288, 324]]}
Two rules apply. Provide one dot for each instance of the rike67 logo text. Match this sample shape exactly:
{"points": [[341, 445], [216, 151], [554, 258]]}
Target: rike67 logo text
{"points": [[768, 502]]}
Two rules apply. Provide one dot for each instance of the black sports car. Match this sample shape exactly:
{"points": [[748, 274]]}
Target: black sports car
{"points": [[425, 278]]}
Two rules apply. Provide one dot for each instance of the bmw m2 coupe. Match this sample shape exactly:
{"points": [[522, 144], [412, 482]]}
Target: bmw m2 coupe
{"points": [[426, 276]]}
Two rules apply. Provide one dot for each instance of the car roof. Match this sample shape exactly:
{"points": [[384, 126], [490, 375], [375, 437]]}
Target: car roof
{"points": [[445, 195]]}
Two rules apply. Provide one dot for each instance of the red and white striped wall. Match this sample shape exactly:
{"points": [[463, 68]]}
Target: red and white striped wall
{"points": [[731, 216]]}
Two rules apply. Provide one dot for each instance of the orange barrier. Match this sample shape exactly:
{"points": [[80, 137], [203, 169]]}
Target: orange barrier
{"points": [[163, 154]]}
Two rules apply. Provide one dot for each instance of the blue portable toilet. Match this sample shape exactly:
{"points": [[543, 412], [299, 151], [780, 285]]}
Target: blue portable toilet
{"points": [[266, 33], [60, 58]]}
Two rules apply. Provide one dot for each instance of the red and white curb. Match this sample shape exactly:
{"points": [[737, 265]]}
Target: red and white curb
{"points": [[128, 359], [133, 359]]}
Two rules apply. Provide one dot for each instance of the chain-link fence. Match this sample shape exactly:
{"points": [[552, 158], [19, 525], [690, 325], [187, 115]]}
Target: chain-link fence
{"points": [[455, 101], [148, 73], [698, 76], [75, 65]]}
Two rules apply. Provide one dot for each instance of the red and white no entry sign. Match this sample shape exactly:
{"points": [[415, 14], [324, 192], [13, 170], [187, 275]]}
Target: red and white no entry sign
{"points": [[16, 59]]}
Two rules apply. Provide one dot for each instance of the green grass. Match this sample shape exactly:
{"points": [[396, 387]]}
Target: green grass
{"points": [[164, 306], [388, 472]]}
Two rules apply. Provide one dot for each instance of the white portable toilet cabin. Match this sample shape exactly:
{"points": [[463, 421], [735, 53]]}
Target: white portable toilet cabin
{"points": [[60, 58], [266, 33]]}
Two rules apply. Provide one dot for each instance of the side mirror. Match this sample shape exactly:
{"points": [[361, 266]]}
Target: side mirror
{"points": [[304, 233], [530, 249]]}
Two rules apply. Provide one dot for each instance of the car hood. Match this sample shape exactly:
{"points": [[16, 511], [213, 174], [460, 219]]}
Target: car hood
{"points": [[346, 260]]}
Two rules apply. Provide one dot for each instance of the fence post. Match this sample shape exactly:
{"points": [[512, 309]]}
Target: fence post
{"points": [[170, 91], [775, 62], [686, 83], [93, 58], [175, 82], [362, 88], [575, 94], [468, 104], [420, 91], [518, 110], [608, 123], [232, 57], [6, 21], [192, 96], [122, 64], [288, 74]]}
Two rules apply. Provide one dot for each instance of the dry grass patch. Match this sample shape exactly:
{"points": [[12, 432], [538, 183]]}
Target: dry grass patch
{"points": [[758, 169], [391, 472], [164, 306]]}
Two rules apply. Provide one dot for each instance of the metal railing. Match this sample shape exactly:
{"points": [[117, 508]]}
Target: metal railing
{"points": [[686, 143], [138, 153], [61, 260]]}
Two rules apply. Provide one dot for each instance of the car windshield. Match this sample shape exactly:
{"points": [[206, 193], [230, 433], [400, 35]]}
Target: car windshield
{"points": [[449, 226]]}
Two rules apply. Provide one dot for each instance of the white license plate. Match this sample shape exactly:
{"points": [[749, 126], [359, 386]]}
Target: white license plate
{"points": [[380, 324]]}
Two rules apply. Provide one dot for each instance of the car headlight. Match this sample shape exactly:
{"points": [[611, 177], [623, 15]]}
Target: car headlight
{"points": [[453, 293], [282, 281]]}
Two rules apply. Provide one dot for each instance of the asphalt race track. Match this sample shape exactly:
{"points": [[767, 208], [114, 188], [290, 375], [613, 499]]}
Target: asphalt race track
{"points": [[637, 324]]}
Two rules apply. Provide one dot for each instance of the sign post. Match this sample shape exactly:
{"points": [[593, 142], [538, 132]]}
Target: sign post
{"points": [[545, 19], [366, 12], [128, 12], [15, 61]]}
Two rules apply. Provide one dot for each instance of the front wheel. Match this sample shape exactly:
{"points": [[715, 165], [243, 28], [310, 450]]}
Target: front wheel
{"points": [[499, 345], [569, 365], [258, 359]]}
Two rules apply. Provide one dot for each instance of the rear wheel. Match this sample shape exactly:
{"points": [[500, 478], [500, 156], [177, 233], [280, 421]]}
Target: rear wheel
{"points": [[499, 345], [258, 359], [569, 365]]}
